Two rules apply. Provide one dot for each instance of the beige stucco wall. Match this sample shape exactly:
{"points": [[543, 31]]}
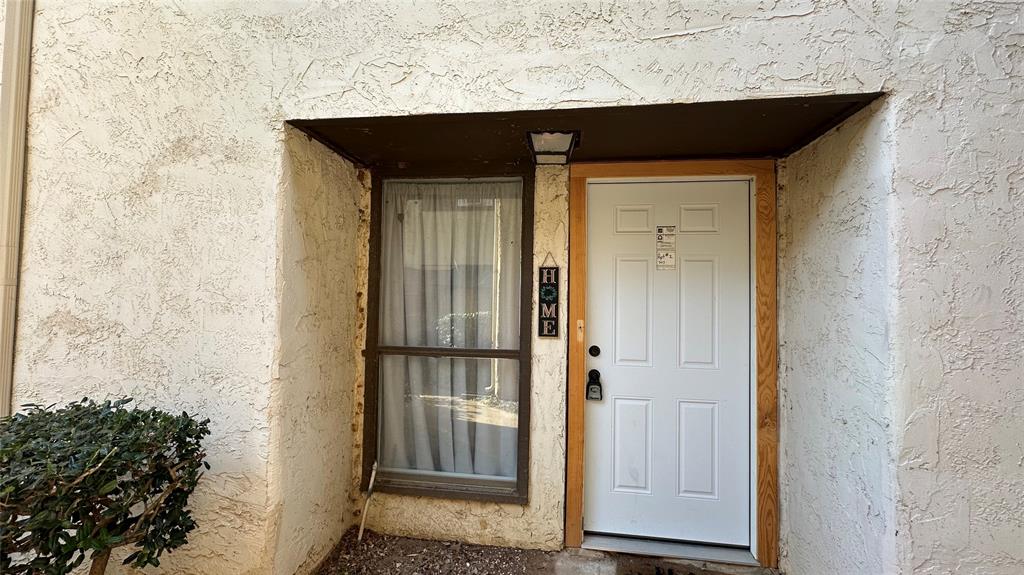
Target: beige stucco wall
{"points": [[156, 195], [324, 222], [149, 263], [538, 524], [838, 464]]}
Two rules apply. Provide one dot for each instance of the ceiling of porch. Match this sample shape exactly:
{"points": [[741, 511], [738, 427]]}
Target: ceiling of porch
{"points": [[457, 143]]}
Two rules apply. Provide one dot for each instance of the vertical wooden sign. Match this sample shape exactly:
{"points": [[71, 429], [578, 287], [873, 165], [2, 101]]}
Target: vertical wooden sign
{"points": [[547, 303]]}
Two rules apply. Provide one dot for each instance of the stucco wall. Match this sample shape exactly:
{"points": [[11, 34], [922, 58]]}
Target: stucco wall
{"points": [[959, 328], [149, 251], [837, 468], [154, 210], [323, 224], [540, 523]]}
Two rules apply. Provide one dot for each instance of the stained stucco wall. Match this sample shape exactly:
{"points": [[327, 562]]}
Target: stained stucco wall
{"points": [[324, 221], [153, 223], [837, 468]]}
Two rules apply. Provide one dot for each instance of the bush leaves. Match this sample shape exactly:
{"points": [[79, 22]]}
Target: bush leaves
{"points": [[92, 476]]}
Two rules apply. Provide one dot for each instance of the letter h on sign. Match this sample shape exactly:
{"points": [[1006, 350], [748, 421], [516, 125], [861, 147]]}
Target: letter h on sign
{"points": [[547, 303]]}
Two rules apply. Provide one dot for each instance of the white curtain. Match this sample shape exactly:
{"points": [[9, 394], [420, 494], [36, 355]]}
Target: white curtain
{"points": [[450, 278]]}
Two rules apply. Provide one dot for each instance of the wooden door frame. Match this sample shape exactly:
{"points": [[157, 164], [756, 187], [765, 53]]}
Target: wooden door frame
{"points": [[766, 328]]}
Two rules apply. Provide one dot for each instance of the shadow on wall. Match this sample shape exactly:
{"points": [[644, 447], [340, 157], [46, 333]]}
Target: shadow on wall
{"points": [[323, 210], [837, 459]]}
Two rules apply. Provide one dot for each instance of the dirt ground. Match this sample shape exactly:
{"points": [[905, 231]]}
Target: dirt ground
{"points": [[392, 555], [404, 556]]}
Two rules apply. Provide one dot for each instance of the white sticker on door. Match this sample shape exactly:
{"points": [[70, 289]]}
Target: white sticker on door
{"points": [[666, 247]]}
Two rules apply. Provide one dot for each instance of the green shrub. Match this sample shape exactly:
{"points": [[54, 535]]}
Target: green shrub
{"points": [[93, 476]]}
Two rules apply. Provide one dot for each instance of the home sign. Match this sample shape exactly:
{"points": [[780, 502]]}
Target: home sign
{"points": [[547, 303]]}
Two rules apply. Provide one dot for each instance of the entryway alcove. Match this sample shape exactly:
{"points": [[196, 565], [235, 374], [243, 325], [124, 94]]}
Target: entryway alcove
{"points": [[665, 452]]}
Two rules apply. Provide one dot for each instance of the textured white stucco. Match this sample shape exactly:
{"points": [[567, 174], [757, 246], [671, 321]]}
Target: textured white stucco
{"points": [[156, 234], [323, 223], [959, 326], [836, 411], [150, 259]]}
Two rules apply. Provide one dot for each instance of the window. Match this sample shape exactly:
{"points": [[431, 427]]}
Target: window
{"points": [[448, 341]]}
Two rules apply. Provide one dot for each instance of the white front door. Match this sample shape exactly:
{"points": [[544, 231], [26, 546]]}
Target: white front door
{"points": [[668, 445]]}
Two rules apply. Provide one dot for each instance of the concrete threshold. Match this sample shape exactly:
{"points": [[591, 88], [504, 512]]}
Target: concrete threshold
{"points": [[669, 549], [611, 555]]}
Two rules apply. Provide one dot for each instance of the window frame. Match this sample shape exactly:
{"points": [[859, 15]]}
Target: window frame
{"points": [[467, 488]]}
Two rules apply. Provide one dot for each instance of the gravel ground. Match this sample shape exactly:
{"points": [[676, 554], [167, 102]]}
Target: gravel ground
{"points": [[392, 555], [404, 556]]}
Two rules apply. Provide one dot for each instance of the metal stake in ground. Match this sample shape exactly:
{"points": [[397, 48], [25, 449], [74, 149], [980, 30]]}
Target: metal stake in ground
{"points": [[366, 506]]}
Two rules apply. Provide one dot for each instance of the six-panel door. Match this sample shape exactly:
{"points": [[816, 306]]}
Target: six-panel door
{"points": [[668, 446]]}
